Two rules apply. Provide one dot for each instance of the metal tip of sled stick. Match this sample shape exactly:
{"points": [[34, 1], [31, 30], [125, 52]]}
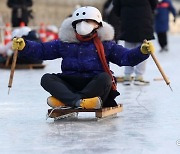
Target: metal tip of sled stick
{"points": [[170, 87], [8, 90]]}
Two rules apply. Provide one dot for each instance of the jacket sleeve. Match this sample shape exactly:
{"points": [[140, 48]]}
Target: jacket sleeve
{"points": [[43, 51], [126, 57], [172, 9], [117, 7]]}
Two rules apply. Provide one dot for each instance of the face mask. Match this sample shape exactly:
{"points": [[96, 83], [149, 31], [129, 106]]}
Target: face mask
{"points": [[84, 28]]}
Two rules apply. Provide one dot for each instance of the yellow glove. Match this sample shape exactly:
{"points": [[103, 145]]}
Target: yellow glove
{"points": [[147, 47], [18, 44]]}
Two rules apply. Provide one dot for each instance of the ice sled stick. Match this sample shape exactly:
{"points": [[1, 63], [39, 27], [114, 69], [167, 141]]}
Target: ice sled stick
{"points": [[12, 69], [160, 69], [7, 61]]}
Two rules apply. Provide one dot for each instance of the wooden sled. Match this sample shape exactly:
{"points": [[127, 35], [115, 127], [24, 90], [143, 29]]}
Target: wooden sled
{"points": [[99, 113], [24, 66]]}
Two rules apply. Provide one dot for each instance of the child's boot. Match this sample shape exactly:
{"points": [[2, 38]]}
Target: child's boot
{"points": [[91, 103], [127, 80], [53, 102]]}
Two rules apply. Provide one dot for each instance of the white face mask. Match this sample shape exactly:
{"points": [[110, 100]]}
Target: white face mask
{"points": [[84, 28]]}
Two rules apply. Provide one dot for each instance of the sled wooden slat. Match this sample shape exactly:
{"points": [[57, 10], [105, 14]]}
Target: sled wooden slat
{"points": [[109, 111], [24, 66], [99, 113]]}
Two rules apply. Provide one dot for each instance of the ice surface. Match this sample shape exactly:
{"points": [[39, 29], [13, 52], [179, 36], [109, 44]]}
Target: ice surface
{"points": [[149, 123]]}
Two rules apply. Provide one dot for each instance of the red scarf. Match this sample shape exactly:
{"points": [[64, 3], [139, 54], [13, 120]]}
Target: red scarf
{"points": [[100, 49]]}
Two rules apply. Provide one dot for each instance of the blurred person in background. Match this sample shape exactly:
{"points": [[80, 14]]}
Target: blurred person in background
{"points": [[20, 11], [6, 50], [163, 9], [136, 25], [110, 17]]}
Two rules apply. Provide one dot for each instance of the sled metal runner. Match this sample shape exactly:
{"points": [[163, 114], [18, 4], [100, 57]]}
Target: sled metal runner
{"points": [[99, 113]]}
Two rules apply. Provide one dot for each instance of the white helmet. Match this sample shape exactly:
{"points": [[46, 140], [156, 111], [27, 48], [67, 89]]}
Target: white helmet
{"points": [[87, 12], [24, 31]]}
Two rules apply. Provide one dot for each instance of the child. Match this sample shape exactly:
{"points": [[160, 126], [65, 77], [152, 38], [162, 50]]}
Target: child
{"points": [[86, 48], [164, 7]]}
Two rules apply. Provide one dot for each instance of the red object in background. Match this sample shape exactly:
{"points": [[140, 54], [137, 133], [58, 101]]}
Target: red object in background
{"points": [[42, 32], [51, 36], [163, 5], [22, 24], [7, 33]]}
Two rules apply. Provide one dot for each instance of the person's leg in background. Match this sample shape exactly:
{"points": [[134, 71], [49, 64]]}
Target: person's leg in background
{"points": [[139, 72], [162, 39], [128, 70], [139, 69]]}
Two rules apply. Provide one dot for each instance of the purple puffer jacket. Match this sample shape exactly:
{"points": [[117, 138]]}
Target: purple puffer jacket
{"points": [[81, 59]]}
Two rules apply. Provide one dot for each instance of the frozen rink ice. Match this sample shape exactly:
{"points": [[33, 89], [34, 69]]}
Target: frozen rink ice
{"points": [[149, 123]]}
